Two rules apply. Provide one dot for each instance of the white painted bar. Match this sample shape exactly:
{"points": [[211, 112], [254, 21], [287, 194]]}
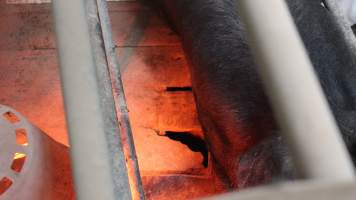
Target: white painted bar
{"points": [[294, 91], [90, 127]]}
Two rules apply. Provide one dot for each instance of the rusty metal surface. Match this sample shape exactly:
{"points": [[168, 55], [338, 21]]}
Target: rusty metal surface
{"points": [[114, 74]]}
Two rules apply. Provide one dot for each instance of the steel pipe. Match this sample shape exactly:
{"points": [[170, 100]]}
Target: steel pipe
{"points": [[128, 144], [294, 91], [97, 157]]}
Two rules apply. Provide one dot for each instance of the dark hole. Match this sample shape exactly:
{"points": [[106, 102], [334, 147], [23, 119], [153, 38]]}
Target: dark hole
{"points": [[11, 117], [21, 137], [18, 162], [5, 184], [179, 89], [193, 142]]}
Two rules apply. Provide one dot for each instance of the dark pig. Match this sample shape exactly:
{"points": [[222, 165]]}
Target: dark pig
{"points": [[233, 109]]}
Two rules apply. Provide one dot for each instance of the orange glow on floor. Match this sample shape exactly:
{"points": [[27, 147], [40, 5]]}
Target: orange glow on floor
{"points": [[152, 61]]}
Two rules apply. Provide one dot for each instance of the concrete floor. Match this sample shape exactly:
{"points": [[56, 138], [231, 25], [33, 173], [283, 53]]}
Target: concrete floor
{"points": [[151, 60]]}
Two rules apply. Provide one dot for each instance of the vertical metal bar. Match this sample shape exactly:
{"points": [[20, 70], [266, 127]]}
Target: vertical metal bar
{"points": [[121, 106], [97, 157], [295, 93]]}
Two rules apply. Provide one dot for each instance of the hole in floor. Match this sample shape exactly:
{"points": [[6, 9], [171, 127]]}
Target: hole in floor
{"points": [[194, 143], [5, 184], [11, 117], [18, 162], [179, 89], [21, 137]]}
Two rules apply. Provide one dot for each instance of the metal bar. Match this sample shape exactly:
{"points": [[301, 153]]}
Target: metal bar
{"points": [[97, 157], [294, 91], [306, 190], [121, 106]]}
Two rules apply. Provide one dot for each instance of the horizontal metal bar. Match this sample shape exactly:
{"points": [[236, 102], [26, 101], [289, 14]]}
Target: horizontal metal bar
{"points": [[309, 190]]}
